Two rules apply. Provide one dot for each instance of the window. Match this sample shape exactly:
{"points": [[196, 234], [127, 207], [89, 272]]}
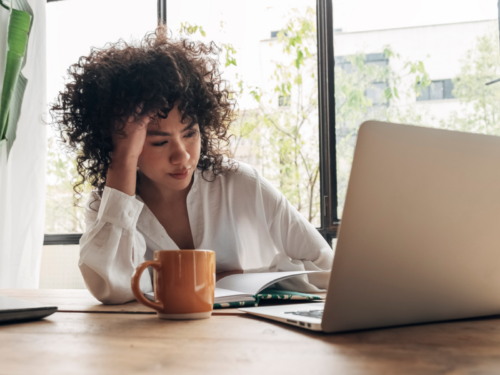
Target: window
{"points": [[385, 66], [73, 27], [375, 92], [274, 34], [437, 90], [404, 64], [284, 142], [277, 79], [65, 44]]}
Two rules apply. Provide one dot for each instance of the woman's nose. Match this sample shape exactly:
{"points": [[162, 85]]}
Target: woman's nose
{"points": [[179, 154]]}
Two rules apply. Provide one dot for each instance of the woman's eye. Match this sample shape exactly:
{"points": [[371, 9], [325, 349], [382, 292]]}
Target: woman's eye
{"points": [[160, 143], [190, 134]]}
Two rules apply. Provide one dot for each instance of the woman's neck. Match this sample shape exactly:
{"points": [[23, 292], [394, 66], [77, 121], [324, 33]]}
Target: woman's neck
{"points": [[151, 191]]}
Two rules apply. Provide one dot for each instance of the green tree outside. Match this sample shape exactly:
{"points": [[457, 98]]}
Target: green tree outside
{"points": [[479, 103]]}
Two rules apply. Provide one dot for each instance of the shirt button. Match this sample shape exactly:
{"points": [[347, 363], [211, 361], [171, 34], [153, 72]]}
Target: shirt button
{"points": [[131, 214]]}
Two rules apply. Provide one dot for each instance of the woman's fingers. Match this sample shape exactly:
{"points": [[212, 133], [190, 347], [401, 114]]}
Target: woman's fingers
{"points": [[142, 120]]}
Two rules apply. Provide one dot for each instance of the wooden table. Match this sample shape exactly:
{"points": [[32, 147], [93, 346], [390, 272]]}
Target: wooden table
{"points": [[74, 300], [80, 300], [139, 343]]}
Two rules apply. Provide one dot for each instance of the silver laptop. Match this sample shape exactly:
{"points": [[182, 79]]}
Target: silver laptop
{"points": [[420, 234]]}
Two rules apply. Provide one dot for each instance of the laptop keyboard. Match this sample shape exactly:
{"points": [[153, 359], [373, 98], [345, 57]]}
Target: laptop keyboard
{"points": [[310, 314]]}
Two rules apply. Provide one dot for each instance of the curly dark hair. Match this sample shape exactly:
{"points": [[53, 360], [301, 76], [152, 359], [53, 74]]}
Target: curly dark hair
{"points": [[154, 74]]}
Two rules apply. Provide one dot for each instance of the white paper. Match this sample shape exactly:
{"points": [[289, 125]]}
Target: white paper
{"points": [[253, 283], [225, 295]]}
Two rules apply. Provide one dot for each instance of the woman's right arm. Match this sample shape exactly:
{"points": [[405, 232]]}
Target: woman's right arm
{"points": [[111, 247]]}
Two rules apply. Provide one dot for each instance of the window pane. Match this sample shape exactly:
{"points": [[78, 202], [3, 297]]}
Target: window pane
{"points": [[73, 28], [432, 51], [423, 93], [448, 89], [269, 59], [436, 89]]}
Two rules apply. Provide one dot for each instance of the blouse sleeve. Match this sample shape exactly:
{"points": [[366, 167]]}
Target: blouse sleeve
{"points": [[111, 247], [299, 245]]}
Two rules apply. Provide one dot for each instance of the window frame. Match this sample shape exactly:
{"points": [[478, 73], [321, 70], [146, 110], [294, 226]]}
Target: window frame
{"points": [[327, 137]]}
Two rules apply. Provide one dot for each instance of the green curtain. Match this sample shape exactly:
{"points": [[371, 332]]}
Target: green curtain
{"points": [[14, 84]]}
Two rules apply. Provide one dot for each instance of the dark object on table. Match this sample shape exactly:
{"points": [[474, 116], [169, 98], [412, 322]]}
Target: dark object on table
{"points": [[15, 310]]}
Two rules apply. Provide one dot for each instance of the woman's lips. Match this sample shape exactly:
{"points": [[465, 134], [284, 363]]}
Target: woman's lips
{"points": [[180, 176]]}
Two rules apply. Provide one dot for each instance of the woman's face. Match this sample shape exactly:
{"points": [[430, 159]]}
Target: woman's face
{"points": [[171, 152]]}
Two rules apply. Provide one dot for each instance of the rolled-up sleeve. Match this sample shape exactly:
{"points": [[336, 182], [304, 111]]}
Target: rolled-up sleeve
{"points": [[111, 247]]}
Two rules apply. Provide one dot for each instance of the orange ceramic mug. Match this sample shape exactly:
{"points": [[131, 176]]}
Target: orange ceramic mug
{"points": [[184, 283]]}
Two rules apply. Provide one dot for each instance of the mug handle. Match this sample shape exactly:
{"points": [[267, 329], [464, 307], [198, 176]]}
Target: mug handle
{"points": [[135, 283]]}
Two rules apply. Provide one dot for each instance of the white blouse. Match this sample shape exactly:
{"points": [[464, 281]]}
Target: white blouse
{"points": [[242, 217]]}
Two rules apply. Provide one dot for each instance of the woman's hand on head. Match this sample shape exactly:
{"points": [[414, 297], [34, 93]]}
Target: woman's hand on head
{"points": [[130, 145], [122, 172]]}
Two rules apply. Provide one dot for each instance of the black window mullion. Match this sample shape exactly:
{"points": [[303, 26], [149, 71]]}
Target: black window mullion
{"points": [[62, 239], [162, 12], [326, 109]]}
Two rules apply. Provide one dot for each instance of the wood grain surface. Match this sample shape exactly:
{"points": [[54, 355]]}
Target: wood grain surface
{"points": [[80, 300], [83, 343], [73, 300]]}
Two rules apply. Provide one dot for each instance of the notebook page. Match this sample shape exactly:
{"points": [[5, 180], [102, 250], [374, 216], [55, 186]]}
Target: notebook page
{"points": [[253, 283], [220, 296], [224, 295]]}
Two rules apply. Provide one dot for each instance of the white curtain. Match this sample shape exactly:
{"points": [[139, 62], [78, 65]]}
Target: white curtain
{"points": [[22, 176]]}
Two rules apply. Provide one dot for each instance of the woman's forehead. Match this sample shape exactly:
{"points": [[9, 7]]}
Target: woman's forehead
{"points": [[170, 125]]}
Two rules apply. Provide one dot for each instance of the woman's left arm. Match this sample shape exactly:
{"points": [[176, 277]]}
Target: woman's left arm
{"points": [[300, 248], [299, 244]]}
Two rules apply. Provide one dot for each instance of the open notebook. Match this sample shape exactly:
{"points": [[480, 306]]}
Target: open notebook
{"points": [[248, 288]]}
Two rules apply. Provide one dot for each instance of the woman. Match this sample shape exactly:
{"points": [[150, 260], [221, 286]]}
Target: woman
{"points": [[149, 124]]}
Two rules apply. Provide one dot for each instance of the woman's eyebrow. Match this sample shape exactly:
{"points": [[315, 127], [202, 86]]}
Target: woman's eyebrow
{"points": [[154, 132]]}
